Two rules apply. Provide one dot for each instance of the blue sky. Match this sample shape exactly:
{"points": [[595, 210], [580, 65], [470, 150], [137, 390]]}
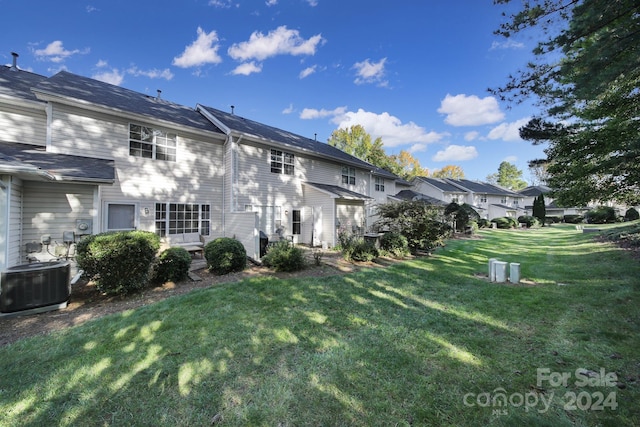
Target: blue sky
{"points": [[414, 73]]}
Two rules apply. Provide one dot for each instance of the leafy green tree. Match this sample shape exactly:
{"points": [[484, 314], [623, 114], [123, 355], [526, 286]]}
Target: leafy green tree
{"points": [[357, 142], [540, 209], [423, 225], [585, 77], [407, 166], [508, 176]]}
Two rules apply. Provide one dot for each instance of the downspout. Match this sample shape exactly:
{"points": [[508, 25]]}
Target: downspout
{"points": [[49, 112]]}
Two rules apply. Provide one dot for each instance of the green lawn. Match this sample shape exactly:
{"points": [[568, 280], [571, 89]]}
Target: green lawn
{"points": [[423, 342]]}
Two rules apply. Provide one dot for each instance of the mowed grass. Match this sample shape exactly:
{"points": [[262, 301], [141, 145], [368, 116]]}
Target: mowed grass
{"points": [[423, 342]]}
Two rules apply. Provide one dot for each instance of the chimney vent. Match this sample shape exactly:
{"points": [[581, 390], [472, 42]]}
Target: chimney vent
{"points": [[232, 108], [14, 67], [159, 93]]}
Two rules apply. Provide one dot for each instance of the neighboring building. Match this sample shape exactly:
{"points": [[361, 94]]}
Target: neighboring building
{"points": [[490, 201], [81, 155]]}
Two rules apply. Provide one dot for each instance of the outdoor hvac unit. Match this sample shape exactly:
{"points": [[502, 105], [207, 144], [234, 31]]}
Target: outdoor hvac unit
{"points": [[39, 286]]}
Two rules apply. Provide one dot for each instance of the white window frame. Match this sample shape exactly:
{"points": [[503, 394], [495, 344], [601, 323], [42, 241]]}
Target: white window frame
{"points": [[282, 162], [379, 183], [349, 175], [153, 143], [177, 222]]}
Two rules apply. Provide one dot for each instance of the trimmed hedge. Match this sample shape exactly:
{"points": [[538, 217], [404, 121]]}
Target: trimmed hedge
{"points": [[601, 215], [573, 219], [528, 220], [631, 215], [225, 255], [505, 222], [118, 262], [172, 265]]}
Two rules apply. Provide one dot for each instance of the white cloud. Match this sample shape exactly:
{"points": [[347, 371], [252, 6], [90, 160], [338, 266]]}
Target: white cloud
{"points": [[91, 9], [281, 41], [370, 72], [511, 159], [470, 136], [312, 3], [115, 77], [311, 113], [101, 63], [417, 147], [271, 2], [508, 131], [152, 74], [288, 110], [463, 110], [507, 44], [247, 68], [224, 4], [456, 153], [55, 52], [390, 128], [308, 71], [202, 51]]}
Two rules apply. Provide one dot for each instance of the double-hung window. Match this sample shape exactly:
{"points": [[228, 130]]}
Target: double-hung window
{"points": [[182, 218], [379, 183], [348, 175], [282, 162], [150, 143]]}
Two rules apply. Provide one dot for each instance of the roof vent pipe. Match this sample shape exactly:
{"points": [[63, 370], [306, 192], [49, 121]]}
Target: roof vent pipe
{"points": [[14, 67], [232, 108], [159, 93]]}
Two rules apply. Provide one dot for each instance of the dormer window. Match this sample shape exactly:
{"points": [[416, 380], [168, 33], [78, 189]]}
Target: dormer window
{"points": [[282, 162], [348, 175], [151, 143]]}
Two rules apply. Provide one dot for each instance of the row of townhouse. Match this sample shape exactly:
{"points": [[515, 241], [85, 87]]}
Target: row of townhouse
{"points": [[490, 201], [81, 155]]}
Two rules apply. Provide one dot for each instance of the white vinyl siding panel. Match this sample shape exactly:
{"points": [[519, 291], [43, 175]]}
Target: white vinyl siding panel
{"points": [[51, 209], [351, 216], [23, 125]]}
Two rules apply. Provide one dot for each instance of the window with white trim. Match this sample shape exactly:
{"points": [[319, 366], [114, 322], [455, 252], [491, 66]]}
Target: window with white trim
{"points": [[282, 162], [483, 198], [348, 175], [150, 143], [379, 183], [182, 218]]}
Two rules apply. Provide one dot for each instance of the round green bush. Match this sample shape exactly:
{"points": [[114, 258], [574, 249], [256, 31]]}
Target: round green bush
{"points": [[284, 256], [601, 215], [172, 265], [505, 222], [631, 215], [118, 262], [484, 223], [528, 220], [395, 243], [225, 255], [573, 219]]}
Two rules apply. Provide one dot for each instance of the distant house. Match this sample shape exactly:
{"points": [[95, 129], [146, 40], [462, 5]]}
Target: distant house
{"points": [[85, 156], [490, 201]]}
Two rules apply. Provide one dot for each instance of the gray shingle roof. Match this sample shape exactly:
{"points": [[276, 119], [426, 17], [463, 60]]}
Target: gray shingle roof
{"points": [[483, 187], [74, 87], [18, 84], [339, 192], [34, 159], [535, 190], [242, 125], [441, 184], [414, 195]]}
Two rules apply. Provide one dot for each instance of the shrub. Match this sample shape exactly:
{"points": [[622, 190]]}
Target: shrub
{"points": [[225, 255], [631, 215], [601, 215], [118, 262], [573, 219], [395, 243], [484, 223], [363, 251], [172, 265], [528, 220], [284, 256], [552, 219], [505, 222]]}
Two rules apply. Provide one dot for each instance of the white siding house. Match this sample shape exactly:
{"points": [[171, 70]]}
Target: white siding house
{"points": [[83, 156]]}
